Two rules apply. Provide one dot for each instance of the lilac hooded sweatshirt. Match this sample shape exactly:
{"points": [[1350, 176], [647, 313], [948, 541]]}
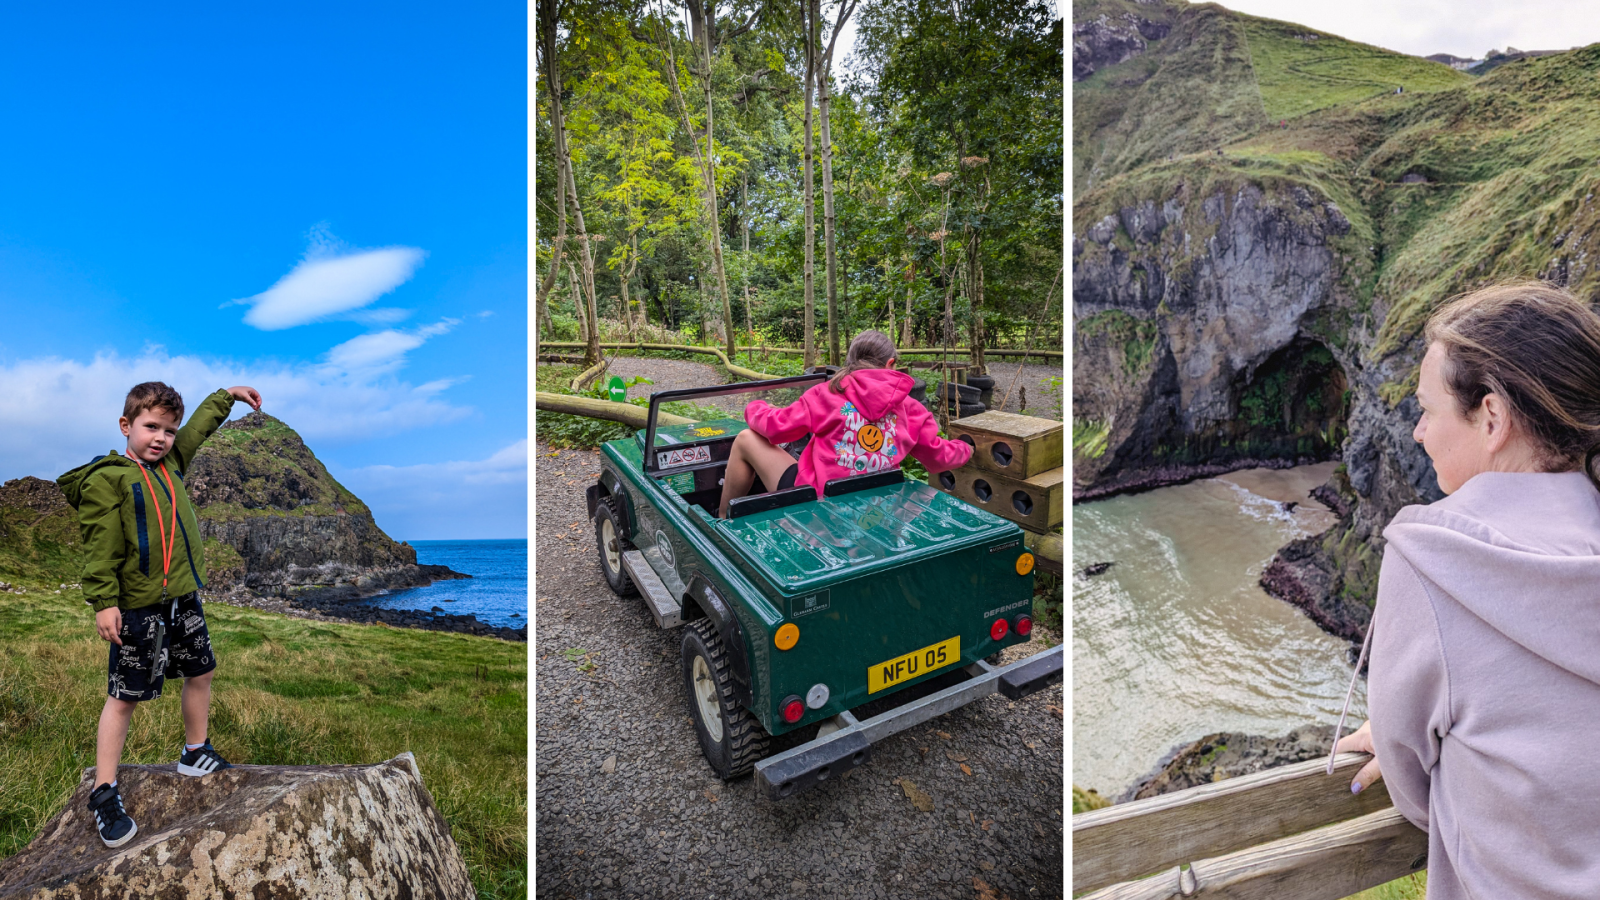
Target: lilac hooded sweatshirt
{"points": [[1484, 689]]}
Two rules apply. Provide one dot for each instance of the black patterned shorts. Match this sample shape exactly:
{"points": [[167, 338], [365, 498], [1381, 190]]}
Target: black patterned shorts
{"points": [[167, 640]]}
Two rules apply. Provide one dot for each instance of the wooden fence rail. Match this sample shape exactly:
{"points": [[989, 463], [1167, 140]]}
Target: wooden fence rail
{"points": [[1293, 831]]}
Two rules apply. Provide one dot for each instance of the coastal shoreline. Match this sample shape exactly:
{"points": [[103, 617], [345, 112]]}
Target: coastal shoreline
{"points": [[1148, 479]]}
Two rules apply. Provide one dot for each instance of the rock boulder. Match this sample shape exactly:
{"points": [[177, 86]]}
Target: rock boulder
{"points": [[282, 832]]}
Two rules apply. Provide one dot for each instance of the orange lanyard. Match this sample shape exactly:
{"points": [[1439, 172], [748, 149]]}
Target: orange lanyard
{"points": [[166, 544]]}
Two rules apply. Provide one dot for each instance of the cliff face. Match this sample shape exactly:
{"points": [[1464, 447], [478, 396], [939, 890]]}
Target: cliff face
{"points": [[1258, 299], [275, 522]]}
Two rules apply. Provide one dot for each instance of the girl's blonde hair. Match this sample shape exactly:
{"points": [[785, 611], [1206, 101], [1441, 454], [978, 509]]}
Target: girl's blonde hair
{"points": [[870, 350], [1538, 347]]}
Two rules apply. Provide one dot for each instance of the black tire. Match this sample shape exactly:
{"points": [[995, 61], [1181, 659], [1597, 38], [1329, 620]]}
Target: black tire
{"points": [[742, 742], [971, 409], [963, 393], [981, 382], [605, 516], [919, 391]]}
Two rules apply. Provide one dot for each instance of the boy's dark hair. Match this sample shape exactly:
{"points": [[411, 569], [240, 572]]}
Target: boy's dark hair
{"points": [[870, 350], [152, 395]]}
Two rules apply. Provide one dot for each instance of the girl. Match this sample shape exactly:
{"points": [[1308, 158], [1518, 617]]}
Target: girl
{"points": [[862, 421], [1484, 688]]}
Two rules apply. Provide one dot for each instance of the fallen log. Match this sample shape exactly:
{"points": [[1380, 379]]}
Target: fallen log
{"points": [[589, 407]]}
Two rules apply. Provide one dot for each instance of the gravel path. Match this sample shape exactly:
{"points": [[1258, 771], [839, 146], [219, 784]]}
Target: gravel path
{"points": [[627, 807], [1044, 398], [673, 375]]}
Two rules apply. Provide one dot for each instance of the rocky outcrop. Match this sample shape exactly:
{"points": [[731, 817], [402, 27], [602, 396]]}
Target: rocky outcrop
{"points": [[1196, 333], [1231, 754], [263, 495], [1107, 40], [286, 832]]}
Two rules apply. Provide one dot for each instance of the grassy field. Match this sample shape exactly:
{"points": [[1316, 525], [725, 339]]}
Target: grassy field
{"points": [[287, 692]]}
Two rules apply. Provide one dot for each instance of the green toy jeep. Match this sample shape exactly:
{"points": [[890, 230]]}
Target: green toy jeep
{"points": [[801, 609]]}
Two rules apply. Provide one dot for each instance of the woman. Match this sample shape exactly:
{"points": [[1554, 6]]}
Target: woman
{"points": [[863, 420], [1484, 688]]}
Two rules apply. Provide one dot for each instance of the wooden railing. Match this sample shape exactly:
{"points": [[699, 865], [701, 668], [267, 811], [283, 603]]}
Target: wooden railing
{"points": [[1289, 833]]}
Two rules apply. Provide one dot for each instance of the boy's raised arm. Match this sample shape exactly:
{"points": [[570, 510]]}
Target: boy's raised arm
{"points": [[207, 418], [104, 548]]}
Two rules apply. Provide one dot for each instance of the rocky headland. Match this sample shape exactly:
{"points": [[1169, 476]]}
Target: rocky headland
{"points": [[279, 533], [1262, 226]]}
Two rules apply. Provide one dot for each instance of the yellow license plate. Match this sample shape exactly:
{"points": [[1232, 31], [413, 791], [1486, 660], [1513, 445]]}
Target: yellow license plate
{"points": [[917, 662]]}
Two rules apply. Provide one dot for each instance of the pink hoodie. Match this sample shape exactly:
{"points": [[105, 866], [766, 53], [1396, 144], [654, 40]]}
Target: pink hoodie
{"points": [[1484, 690], [868, 428]]}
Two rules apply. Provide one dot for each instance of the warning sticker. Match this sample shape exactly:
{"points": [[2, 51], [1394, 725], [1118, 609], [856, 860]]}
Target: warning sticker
{"points": [[683, 456]]}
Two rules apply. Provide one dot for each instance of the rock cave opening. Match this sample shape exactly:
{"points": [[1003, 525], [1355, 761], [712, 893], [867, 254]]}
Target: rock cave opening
{"points": [[1293, 406]]}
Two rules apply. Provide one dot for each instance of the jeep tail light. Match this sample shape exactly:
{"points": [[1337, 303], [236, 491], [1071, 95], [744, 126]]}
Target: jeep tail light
{"points": [[1024, 626], [997, 631], [792, 708]]}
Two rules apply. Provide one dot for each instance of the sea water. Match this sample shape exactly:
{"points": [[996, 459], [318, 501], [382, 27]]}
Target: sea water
{"points": [[497, 592], [1178, 640]]}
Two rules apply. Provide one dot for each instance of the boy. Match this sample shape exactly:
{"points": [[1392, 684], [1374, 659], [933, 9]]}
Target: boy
{"points": [[142, 568]]}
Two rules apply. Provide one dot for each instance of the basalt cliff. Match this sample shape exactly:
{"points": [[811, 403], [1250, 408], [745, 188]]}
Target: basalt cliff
{"points": [[1264, 217], [276, 523], [278, 531]]}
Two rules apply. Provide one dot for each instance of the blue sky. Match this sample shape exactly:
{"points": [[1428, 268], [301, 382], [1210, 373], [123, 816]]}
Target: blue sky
{"points": [[327, 202]]}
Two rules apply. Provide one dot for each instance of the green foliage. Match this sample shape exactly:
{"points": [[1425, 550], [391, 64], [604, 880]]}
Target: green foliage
{"points": [[1086, 800], [1299, 70], [1089, 438], [999, 89], [1411, 887], [1136, 336], [1048, 600], [288, 692]]}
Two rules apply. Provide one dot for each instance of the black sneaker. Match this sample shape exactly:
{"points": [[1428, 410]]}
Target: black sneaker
{"points": [[116, 827], [201, 761]]}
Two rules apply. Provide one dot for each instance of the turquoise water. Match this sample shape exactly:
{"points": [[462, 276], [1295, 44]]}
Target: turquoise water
{"points": [[1178, 640], [497, 592]]}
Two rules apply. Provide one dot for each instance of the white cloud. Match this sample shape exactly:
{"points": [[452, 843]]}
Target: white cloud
{"points": [[324, 285], [384, 350], [61, 412], [463, 500]]}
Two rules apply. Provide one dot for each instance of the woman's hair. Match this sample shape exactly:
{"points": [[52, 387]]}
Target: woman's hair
{"points": [[1538, 347], [870, 350]]}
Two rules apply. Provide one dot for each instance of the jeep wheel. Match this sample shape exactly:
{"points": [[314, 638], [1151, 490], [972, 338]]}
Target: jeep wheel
{"points": [[730, 737], [610, 543]]}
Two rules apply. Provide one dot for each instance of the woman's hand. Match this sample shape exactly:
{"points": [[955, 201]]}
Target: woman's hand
{"points": [[247, 394], [108, 622], [1360, 741]]}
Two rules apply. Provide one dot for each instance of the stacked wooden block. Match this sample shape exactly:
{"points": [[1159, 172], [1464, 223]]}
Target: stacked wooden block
{"points": [[1015, 471]]}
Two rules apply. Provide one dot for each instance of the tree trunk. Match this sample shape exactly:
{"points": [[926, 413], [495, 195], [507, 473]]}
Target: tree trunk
{"points": [[706, 160], [744, 218], [577, 303], [627, 306], [547, 40], [890, 305], [829, 220], [975, 295], [809, 272], [711, 196], [911, 334]]}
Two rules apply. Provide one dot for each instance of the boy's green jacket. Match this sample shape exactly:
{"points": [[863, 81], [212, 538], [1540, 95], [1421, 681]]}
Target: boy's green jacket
{"points": [[121, 540]]}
